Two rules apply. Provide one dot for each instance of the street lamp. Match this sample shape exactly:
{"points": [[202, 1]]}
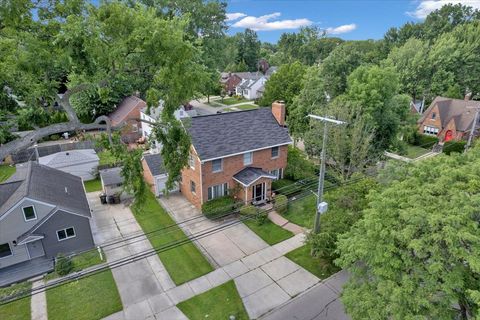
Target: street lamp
{"points": [[321, 205]]}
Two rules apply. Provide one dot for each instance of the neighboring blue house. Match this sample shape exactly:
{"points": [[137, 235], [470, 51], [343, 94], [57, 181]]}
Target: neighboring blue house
{"points": [[43, 212]]}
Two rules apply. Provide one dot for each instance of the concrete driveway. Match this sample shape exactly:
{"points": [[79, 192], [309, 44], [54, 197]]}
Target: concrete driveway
{"points": [[221, 248], [141, 284]]}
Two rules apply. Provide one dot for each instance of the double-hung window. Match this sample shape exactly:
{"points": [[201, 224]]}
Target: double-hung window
{"points": [[29, 213], [247, 158], [65, 234], [217, 165], [277, 173], [5, 250], [430, 130], [274, 152], [191, 161], [217, 191], [192, 187]]}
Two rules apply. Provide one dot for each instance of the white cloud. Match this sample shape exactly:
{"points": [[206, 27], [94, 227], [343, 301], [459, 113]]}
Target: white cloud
{"points": [[342, 29], [235, 16], [427, 6], [265, 23]]}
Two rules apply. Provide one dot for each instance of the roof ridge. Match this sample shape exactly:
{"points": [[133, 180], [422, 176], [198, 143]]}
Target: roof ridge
{"points": [[225, 113]]}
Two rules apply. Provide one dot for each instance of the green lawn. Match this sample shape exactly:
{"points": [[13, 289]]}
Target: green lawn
{"points": [[229, 110], [302, 211], [218, 303], [269, 231], [247, 107], [320, 267], [232, 100], [6, 171], [106, 157], [93, 297], [80, 262], [19, 309], [415, 151], [184, 262], [93, 185]]}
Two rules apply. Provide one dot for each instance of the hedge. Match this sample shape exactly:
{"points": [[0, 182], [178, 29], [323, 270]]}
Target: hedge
{"points": [[218, 207], [248, 210], [280, 185], [454, 146], [425, 141], [281, 203]]}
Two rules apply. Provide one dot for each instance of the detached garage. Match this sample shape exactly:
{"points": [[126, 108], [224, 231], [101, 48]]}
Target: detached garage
{"points": [[82, 163], [155, 173]]}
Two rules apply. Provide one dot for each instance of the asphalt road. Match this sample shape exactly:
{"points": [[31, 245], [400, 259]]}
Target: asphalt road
{"points": [[321, 302]]}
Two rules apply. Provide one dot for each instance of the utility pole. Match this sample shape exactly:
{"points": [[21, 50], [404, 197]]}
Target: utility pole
{"points": [[321, 205], [474, 126]]}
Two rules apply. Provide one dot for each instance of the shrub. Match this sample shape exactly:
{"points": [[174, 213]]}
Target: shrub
{"points": [[261, 217], [424, 140], [280, 185], [63, 265], [454, 146], [298, 166], [55, 137], [248, 210], [281, 203], [218, 207]]}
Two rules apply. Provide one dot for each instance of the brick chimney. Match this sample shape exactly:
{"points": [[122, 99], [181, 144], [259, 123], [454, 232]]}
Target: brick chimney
{"points": [[278, 111]]}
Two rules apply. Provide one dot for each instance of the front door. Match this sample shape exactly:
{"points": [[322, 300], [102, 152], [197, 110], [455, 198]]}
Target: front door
{"points": [[258, 192], [448, 135], [35, 249]]}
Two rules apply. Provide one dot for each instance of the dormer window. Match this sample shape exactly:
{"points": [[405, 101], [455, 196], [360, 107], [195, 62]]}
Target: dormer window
{"points": [[433, 115], [29, 213]]}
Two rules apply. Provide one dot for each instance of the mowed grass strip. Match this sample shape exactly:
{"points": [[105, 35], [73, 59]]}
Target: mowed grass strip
{"points": [[183, 262], [322, 268], [218, 303], [268, 231], [93, 185], [90, 298], [19, 309], [6, 172]]}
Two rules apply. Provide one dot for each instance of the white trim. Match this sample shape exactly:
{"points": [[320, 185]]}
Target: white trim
{"points": [[34, 213], [221, 166], [67, 237], [52, 214], [11, 252], [278, 152], [16, 205], [262, 176], [251, 158], [252, 150], [34, 238]]}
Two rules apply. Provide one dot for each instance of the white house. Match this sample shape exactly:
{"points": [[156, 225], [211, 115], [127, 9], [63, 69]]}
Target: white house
{"points": [[249, 88], [82, 163], [154, 115]]}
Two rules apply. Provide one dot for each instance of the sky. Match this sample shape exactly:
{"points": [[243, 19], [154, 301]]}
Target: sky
{"points": [[347, 19]]}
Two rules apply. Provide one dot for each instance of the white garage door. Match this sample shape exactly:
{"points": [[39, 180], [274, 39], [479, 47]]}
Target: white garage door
{"points": [[160, 185]]}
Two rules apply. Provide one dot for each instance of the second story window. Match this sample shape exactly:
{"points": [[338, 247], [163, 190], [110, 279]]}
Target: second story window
{"points": [[247, 158], [29, 213], [433, 115], [217, 165], [191, 161], [274, 152]]}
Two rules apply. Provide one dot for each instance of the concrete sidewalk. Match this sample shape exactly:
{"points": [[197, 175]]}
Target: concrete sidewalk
{"points": [[141, 284], [284, 223]]}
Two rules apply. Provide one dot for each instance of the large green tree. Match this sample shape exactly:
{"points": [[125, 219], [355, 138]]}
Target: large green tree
{"points": [[284, 84], [248, 49], [415, 254]]}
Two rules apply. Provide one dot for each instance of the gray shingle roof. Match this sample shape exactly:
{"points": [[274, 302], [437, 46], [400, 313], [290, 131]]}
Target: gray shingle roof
{"points": [[220, 135], [155, 163], [49, 185], [111, 176], [250, 174], [69, 158]]}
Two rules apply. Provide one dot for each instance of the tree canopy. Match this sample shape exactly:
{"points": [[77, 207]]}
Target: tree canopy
{"points": [[416, 251]]}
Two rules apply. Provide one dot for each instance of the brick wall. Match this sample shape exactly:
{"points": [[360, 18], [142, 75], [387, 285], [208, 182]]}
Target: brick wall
{"points": [[437, 122], [189, 174]]}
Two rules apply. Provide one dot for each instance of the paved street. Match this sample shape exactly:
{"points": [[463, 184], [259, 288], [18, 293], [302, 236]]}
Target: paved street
{"points": [[321, 302]]}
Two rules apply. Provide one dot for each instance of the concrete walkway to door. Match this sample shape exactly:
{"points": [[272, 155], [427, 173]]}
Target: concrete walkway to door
{"points": [[141, 284]]}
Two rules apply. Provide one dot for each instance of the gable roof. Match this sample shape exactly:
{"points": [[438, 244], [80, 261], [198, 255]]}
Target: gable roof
{"points": [[249, 175], [69, 158], [220, 135], [124, 108], [45, 184], [456, 109], [155, 163]]}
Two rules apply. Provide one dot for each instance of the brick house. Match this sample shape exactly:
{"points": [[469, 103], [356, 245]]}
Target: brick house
{"points": [[237, 153], [448, 119], [126, 114]]}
